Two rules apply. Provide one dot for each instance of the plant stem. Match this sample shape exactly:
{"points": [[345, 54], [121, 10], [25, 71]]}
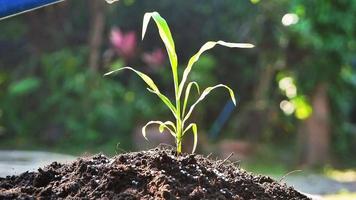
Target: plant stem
{"points": [[178, 124], [178, 114], [179, 136]]}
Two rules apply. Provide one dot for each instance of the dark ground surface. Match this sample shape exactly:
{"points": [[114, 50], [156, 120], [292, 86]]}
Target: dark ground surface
{"points": [[153, 174]]}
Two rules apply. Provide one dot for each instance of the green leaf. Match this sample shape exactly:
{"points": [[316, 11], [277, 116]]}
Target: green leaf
{"points": [[152, 87], [144, 77], [169, 123], [187, 91], [204, 94], [194, 127], [166, 37], [205, 47], [165, 100], [162, 126], [166, 125], [25, 86]]}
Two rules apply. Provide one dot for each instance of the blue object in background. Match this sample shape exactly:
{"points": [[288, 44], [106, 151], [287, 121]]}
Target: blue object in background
{"points": [[221, 120], [10, 8]]}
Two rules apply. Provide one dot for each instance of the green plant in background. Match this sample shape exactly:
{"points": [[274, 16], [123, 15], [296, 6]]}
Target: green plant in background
{"points": [[179, 109], [86, 114]]}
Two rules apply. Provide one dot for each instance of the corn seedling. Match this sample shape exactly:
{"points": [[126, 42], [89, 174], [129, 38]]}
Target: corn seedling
{"points": [[179, 109]]}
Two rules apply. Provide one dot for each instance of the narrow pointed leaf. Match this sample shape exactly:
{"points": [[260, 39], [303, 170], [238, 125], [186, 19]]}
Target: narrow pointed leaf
{"points": [[165, 35], [144, 77], [204, 94], [152, 86], [187, 92], [165, 100], [205, 47], [194, 128]]}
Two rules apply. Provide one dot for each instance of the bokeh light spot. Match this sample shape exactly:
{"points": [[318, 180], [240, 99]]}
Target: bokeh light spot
{"points": [[290, 19], [287, 107]]}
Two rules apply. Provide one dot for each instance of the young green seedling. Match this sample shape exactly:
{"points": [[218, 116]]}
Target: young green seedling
{"points": [[179, 109]]}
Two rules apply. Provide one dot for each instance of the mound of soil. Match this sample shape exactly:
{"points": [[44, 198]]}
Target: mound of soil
{"points": [[153, 174]]}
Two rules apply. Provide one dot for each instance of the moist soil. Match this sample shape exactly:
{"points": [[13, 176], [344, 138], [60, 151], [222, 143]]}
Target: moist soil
{"points": [[154, 174]]}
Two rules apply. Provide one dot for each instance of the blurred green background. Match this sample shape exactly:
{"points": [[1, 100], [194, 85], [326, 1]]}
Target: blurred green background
{"points": [[296, 89]]}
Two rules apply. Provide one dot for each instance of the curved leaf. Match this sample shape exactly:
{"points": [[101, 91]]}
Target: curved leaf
{"points": [[187, 91], [166, 37], [165, 100], [162, 126], [205, 93], [166, 124], [144, 77], [194, 128], [205, 47], [152, 87]]}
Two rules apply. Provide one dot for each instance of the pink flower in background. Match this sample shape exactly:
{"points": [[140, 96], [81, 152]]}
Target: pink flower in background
{"points": [[154, 58], [123, 43]]}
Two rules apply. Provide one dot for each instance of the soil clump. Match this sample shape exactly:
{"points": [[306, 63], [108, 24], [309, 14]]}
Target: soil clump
{"points": [[154, 174]]}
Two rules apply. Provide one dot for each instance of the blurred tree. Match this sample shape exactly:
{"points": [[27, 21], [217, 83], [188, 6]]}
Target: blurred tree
{"points": [[323, 44], [97, 11]]}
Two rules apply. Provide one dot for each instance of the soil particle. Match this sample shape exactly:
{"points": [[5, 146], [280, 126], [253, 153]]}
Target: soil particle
{"points": [[155, 174]]}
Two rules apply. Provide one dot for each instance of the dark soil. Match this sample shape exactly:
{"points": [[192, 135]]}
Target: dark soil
{"points": [[153, 174]]}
